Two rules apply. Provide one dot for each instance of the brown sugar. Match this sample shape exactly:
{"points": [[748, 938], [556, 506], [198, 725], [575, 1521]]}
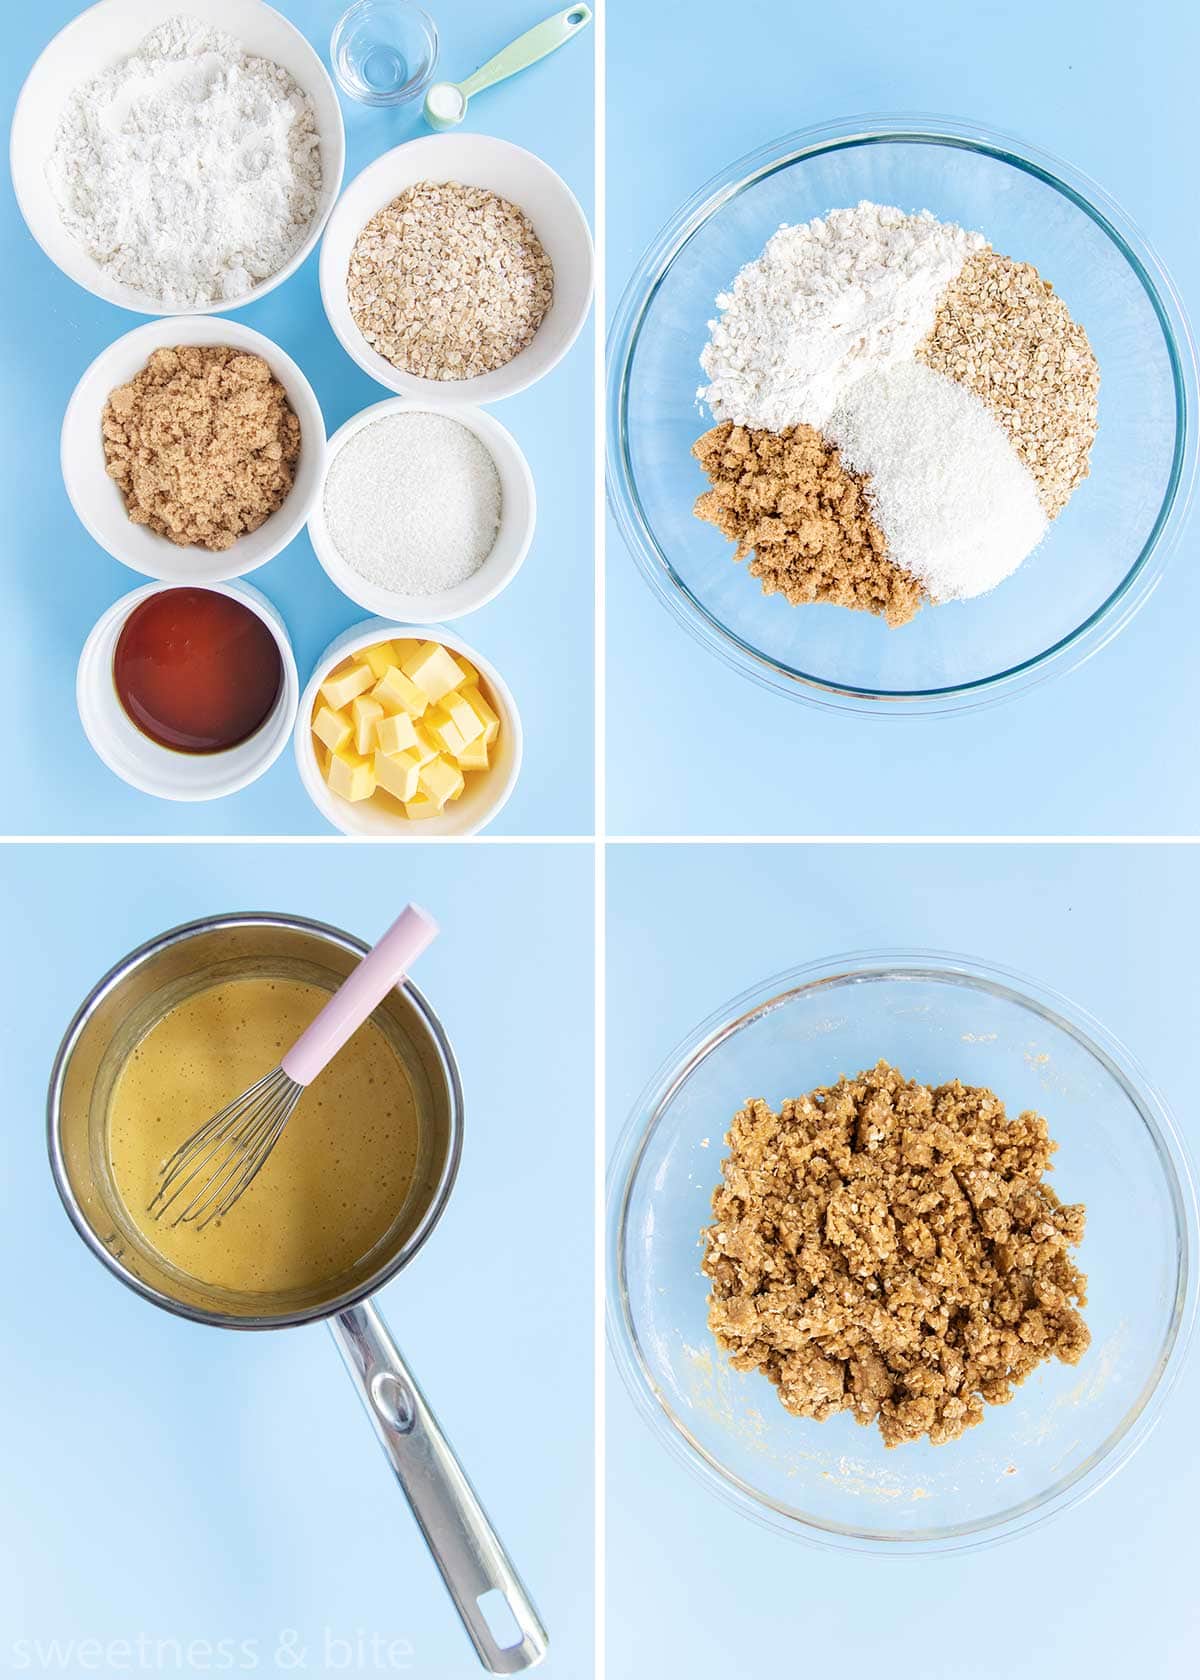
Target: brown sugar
{"points": [[202, 444], [787, 498], [890, 1250]]}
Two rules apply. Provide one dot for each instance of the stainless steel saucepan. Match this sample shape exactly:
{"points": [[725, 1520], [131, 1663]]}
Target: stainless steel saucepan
{"points": [[113, 1017]]}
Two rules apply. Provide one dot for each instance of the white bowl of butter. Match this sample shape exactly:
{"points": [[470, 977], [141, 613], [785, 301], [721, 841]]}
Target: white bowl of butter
{"points": [[379, 817]]}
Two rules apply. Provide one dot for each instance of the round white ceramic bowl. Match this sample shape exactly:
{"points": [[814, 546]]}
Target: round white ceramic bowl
{"points": [[485, 794], [518, 515], [476, 160], [158, 770], [99, 503], [102, 36]]}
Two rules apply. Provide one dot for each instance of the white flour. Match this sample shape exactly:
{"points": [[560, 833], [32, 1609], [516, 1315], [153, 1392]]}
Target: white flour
{"points": [[825, 303], [958, 506], [413, 503], [190, 170]]}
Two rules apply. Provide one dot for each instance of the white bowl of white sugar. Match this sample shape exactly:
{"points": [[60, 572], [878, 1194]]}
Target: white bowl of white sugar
{"points": [[177, 156], [425, 512]]}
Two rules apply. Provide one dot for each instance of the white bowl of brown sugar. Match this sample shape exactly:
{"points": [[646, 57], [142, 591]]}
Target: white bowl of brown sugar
{"points": [[192, 449], [457, 266]]}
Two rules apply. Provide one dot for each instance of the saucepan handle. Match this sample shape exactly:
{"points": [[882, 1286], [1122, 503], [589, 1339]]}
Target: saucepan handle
{"points": [[464, 1544]]}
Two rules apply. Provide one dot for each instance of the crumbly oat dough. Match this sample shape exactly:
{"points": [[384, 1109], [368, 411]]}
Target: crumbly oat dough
{"points": [[202, 443], [1002, 331], [786, 497], [890, 1250], [447, 281]]}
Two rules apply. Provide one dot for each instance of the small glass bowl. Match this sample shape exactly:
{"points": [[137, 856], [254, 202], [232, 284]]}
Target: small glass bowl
{"points": [[384, 52], [936, 1017], [1100, 560]]}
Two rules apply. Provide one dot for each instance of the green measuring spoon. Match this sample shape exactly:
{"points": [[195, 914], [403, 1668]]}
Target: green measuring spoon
{"points": [[446, 102]]}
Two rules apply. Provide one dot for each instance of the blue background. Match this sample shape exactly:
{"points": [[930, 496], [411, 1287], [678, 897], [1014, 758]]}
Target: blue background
{"points": [[1097, 751], [538, 632], [1107, 1589], [164, 1478]]}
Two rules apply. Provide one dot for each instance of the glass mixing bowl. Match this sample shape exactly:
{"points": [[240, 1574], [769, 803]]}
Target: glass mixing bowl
{"points": [[1102, 556], [937, 1018]]}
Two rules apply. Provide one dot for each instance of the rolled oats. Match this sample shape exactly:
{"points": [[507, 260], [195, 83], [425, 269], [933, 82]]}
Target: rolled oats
{"points": [[448, 281]]}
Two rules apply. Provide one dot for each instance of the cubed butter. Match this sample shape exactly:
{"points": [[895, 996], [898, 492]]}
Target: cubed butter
{"points": [[398, 774], [474, 756], [398, 693], [395, 733], [473, 697], [339, 689], [380, 658], [426, 747], [351, 776], [421, 806], [404, 647], [332, 729], [444, 730], [466, 719], [366, 714], [433, 670], [441, 780]]}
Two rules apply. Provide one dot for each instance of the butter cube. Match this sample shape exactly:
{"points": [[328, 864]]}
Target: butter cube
{"points": [[323, 759], [332, 729], [426, 747], [398, 774], [444, 730], [404, 647], [441, 780], [421, 806], [474, 756], [398, 693], [395, 733], [466, 719], [351, 776], [366, 713], [433, 670], [339, 689], [487, 717], [380, 658], [470, 674]]}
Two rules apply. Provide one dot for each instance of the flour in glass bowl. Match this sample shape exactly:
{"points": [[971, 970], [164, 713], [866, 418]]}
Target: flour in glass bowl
{"points": [[825, 303], [190, 170]]}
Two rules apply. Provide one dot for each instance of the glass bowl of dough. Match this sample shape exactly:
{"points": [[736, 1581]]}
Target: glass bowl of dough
{"points": [[1067, 1427], [1001, 397]]}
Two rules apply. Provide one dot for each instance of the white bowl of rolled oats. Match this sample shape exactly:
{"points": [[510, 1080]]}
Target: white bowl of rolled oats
{"points": [[457, 266]]}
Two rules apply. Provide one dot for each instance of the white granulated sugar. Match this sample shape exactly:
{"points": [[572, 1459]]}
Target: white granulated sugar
{"points": [[826, 301], [958, 506], [190, 170], [413, 503]]}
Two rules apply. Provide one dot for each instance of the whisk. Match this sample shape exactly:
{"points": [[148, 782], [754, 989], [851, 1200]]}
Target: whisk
{"points": [[230, 1149]]}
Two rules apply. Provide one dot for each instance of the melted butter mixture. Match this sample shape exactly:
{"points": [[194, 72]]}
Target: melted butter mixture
{"points": [[335, 1181]]}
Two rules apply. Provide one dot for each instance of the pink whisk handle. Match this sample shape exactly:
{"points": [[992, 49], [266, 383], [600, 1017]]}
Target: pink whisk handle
{"points": [[359, 993]]}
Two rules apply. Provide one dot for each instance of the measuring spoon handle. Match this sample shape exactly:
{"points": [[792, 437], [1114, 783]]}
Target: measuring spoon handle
{"points": [[465, 1546], [543, 38]]}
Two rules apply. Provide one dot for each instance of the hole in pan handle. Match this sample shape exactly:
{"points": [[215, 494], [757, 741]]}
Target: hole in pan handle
{"points": [[465, 1546]]}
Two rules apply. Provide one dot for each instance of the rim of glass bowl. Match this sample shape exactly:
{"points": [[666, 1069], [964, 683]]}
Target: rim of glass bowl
{"points": [[1059, 1011], [1069, 651]]}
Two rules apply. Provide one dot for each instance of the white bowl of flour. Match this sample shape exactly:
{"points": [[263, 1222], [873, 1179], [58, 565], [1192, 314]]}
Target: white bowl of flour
{"points": [[161, 161]]}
